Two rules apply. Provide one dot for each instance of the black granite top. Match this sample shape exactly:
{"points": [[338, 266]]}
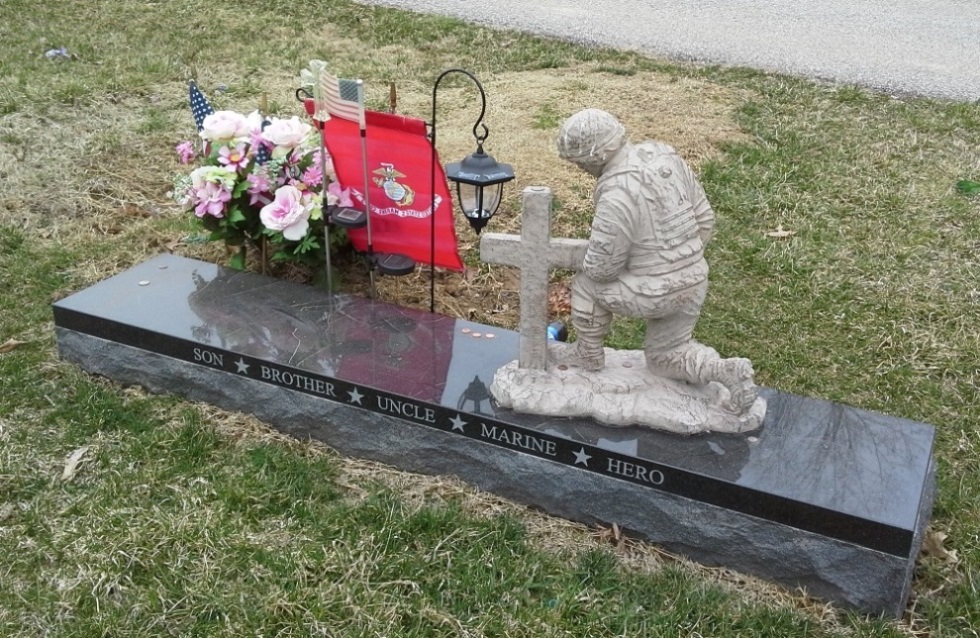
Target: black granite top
{"points": [[835, 470]]}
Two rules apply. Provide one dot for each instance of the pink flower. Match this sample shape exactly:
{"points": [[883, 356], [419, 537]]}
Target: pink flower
{"points": [[259, 187], [328, 163], [233, 157], [256, 141], [312, 176], [338, 197], [211, 198], [287, 213], [297, 184], [185, 151]]}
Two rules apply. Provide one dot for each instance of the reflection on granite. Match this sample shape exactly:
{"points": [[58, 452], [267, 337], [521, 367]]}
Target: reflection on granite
{"points": [[851, 461], [368, 343]]}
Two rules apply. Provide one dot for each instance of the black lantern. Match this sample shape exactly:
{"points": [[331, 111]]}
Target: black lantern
{"points": [[479, 178], [479, 185]]}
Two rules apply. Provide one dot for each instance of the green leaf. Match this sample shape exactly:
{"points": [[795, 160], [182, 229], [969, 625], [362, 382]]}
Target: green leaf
{"points": [[968, 187], [309, 243], [235, 215], [237, 261]]}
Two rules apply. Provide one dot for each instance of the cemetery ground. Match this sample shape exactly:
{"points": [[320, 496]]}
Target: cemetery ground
{"points": [[845, 264]]}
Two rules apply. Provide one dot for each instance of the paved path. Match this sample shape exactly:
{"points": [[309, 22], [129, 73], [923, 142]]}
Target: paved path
{"points": [[927, 47]]}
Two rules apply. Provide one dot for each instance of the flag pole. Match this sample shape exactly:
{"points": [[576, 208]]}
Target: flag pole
{"points": [[319, 116], [323, 208], [362, 122], [432, 212], [263, 107]]}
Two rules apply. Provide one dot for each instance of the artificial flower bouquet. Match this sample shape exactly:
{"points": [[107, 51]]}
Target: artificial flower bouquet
{"points": [[261, 183]]}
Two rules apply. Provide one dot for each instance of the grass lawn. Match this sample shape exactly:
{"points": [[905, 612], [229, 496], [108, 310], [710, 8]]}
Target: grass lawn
{"points": [[845, 265]]}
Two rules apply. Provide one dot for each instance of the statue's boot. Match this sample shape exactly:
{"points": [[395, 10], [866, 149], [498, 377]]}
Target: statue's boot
{"points": [[581, 354], [592, 323], [697, 363], [587, 351], [737, 375]]}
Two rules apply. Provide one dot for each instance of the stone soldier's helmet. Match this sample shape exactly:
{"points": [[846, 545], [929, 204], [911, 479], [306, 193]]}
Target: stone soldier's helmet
{"points": [[590, 138]]}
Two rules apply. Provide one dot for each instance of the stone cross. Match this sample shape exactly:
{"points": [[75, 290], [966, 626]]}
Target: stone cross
{"points": [[535, 253]]}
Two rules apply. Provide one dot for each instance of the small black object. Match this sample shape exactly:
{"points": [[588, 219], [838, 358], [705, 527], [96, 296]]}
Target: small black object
{"points": [[346, 217], [394, 264], [302, 95]]}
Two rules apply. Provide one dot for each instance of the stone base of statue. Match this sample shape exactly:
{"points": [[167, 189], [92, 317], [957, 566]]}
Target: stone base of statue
{"points": [[623, 393]]}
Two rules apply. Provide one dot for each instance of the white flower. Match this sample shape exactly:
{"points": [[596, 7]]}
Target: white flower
{"points": [[224, 126], [286, 134], [311, 75], [254, 122]]}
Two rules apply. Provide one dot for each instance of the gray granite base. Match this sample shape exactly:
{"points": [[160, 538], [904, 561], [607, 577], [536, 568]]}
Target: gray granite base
{"points": [[825, 498], [833, 570]]}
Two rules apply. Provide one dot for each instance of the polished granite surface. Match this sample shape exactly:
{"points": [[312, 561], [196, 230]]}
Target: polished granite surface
{"points": [[814, 464]]}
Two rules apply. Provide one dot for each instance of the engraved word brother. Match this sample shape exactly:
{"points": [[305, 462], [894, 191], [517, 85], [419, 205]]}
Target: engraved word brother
{"points": [[298, 381]]}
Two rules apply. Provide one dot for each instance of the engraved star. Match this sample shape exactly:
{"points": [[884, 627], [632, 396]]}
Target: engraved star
{"points": [[355, 397], [458, 423], [242, 366], [582, 457]]}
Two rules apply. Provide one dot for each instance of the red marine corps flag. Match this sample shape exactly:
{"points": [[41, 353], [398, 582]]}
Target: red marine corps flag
{"points": [[399, 158], [399, 178]]}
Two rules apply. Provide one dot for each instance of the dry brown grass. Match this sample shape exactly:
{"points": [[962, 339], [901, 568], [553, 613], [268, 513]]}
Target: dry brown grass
{"points": [[523, 114], [73, 180]]}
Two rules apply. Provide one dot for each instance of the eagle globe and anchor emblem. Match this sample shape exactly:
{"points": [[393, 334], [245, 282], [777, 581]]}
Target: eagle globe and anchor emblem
{"points": [[397, 192]]}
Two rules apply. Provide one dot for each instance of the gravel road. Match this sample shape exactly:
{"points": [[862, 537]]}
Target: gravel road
{"points": [[925, 47]]}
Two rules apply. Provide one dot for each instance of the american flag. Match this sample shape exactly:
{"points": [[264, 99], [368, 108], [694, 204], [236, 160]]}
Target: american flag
{"points": [[199, 106], [338, 97], [262, 155]]}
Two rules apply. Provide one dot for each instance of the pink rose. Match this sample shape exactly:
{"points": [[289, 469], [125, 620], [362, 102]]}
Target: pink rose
{"points": [[287, 213], [328, 164], [223, 126], [287, 134]]}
